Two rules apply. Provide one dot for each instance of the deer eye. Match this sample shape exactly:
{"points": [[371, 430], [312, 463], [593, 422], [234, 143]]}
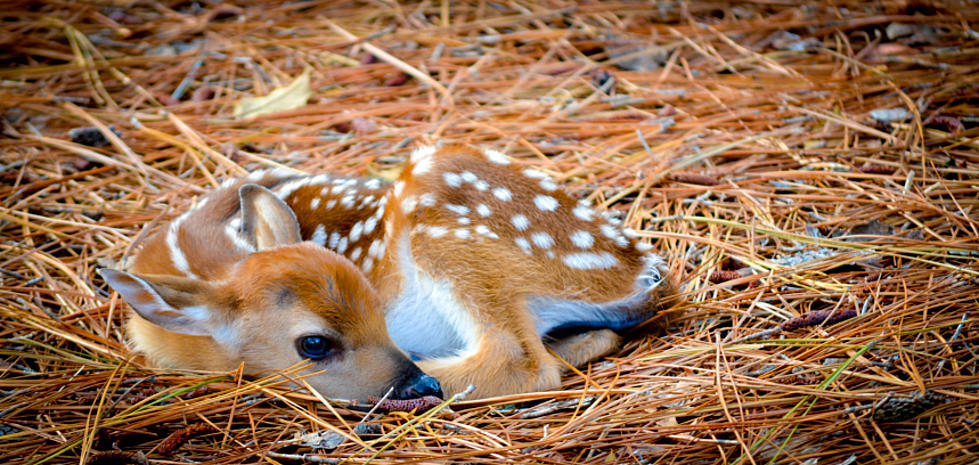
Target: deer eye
{"points": [[317, 347]]}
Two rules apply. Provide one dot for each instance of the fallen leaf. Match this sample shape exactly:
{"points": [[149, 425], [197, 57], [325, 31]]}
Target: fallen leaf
{"points": [[292, 96]]}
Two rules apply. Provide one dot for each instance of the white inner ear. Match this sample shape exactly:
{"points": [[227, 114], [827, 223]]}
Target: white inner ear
{"points": [[149, 304]]}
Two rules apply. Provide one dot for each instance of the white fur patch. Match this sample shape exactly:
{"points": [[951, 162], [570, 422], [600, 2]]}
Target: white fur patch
{"points": [[370, 224], [426, 319], [546, 203], [408, 205], [483, 210], [427, 199], [590, 261], [582, 239], [520, 222], [643, 246], [542, 240], [176, 254], [315, 203], [534, 174], [452, 179], [436, 231], [524, 244], [285, 190], [422, 153], [496, 157], [233, 231], [356, 231], [503, 194], [457, 209], [468, 176], [319, 236], [485, 231]]}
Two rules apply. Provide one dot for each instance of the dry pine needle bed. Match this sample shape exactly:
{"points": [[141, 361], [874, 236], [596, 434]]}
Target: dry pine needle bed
{"points": [[811, 173]]}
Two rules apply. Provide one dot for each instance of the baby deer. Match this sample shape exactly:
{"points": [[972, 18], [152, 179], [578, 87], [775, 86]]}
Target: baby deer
{"points": [[467, 268]]}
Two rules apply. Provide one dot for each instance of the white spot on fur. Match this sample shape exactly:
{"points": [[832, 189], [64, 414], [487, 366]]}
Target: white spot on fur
{"points": [[542, 240], [452, 179], [376, 249], [313, 204], [427, 199], [334, 240], [481, 185], [468, 176], [590, 261], [462, 233], [422, 153], [319, 236], [342, 245], [524, 245], [485, 231], [609, 231], [356, 231], [367, 265], [399, 187], [546, 203], [503, 194], [372, 183], [496, 157], [436, 231], [534, 174], [548, 185], [520, 222], [583, 213], [483, 210], [643, 246], [370, 224], [408, 204], [464, 220], [355, 254], [457, 209], [347, 201], [582, 239], [331, 204]]}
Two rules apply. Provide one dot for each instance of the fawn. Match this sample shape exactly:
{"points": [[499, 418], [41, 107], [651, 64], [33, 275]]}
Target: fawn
{"points": [[467, 268]]}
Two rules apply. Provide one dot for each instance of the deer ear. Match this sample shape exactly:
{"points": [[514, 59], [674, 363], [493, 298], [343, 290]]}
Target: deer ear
{"points": [[174, 304], [266, 221]]}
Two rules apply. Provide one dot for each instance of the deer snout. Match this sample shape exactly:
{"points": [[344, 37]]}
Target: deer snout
{"points": [[414, 384]]}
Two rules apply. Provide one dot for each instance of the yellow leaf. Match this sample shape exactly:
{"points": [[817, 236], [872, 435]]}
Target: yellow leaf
{"points": [[292, 96]]}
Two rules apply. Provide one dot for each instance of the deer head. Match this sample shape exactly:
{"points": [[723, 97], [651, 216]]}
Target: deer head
{"points": [[283, 301]]}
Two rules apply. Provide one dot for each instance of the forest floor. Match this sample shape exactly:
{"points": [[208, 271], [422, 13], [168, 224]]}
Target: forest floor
{"points": [[810, 172]]}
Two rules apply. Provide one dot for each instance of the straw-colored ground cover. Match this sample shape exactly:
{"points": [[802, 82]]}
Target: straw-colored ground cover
{"points": [[747, 141]]}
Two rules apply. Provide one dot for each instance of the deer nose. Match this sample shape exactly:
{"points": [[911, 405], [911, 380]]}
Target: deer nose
{"points": [[418, 385]]}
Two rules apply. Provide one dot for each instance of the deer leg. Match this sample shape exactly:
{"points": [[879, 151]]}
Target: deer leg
{"points": [[582, 348]]}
